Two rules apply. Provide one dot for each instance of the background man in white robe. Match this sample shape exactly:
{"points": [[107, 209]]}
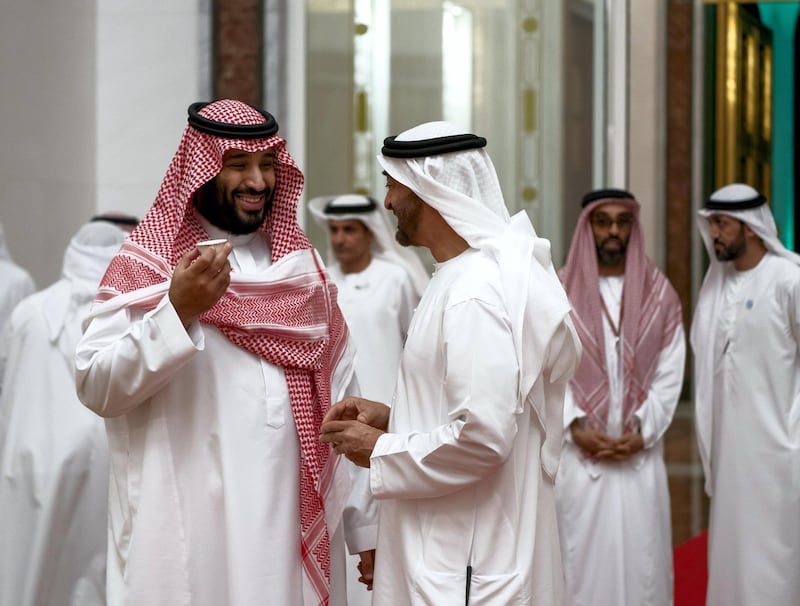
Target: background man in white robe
{"points": [[214, 366], [379, 284], [53, 451], [464, 463], [746, 340], [611, 488], [15, 282]]}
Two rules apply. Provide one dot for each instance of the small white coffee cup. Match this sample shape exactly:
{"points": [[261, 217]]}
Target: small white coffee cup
{"points": [[210, 243]]}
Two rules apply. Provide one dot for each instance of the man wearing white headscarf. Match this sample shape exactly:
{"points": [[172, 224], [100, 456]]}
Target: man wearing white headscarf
{"points": [[15, 282], [214, 364], [380, 283], [611, 489], [746, 339], [464, 462], [53, 451]]}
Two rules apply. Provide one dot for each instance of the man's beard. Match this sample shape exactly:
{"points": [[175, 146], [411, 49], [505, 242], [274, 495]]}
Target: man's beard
{"points": [[407, 223], [221, 211], [611, 257], [402, 238], [732, 251]]}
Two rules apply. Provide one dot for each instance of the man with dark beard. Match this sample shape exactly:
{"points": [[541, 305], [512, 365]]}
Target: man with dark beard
{"points": [[213, 366], [611, 488], [746, 340]]}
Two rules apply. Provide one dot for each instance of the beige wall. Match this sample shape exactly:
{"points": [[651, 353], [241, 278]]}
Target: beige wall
{"points": [[153, 61], [647, 117], [47, 59], [94, 99]]}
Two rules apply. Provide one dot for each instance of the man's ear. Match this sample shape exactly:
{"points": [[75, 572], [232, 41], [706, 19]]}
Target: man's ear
{"points": [[751, 237], [748, 232]]}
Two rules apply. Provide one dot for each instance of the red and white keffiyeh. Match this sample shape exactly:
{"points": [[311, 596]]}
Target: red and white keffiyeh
{"points": [[652, 314], [292, 322]]}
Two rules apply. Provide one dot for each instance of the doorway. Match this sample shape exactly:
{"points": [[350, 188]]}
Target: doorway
{"points": [[751, 78]]}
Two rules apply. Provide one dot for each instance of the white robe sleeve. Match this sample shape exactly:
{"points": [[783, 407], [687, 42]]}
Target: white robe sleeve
{"points": [[360, 514], [792, 306], [477, 399], [124, 358], [656, 412], [571, 411], [5, 340]]}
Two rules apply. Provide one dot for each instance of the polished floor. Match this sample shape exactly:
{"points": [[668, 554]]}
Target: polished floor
{"points": [[689, 502]]}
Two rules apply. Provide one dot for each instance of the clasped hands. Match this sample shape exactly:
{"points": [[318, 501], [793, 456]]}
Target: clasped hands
{"points": [[353, 426], [601, 447]]}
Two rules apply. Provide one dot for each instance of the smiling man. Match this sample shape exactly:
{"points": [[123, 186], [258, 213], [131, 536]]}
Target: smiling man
{"points": [[213, 369], [613, 498], [238, 198]]}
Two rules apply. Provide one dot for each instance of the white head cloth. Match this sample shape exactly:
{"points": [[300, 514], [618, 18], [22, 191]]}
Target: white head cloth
{"points": [[85, 261], [384, 245], [704, 324], [463, 187], [759, 219]]}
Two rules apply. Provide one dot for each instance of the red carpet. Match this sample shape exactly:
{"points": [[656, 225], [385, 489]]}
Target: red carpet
{"points": [[690, 561]]}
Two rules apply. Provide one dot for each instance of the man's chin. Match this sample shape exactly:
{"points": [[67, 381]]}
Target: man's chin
{"points": [[248, 222], [402, 238], [608, 257]]}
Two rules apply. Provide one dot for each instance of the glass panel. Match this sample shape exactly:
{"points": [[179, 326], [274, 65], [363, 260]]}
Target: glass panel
{"points": [[457, 63], [584, 113]]}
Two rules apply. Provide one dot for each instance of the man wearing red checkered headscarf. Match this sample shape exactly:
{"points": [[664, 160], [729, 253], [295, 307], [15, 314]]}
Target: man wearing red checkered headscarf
{"points": [[611, 488], [214, 365]]}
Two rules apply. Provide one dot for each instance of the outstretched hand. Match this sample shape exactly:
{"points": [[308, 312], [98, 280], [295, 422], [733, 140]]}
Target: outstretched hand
{"points": [[199, 280], [353, 426], [366, 411]]}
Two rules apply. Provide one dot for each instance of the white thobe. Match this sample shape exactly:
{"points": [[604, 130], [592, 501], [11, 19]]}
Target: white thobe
{"points": [[15, 285], [754, 522], [377, 303], [459, 473], [614, 517], [53, 464], [204, 501]]}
